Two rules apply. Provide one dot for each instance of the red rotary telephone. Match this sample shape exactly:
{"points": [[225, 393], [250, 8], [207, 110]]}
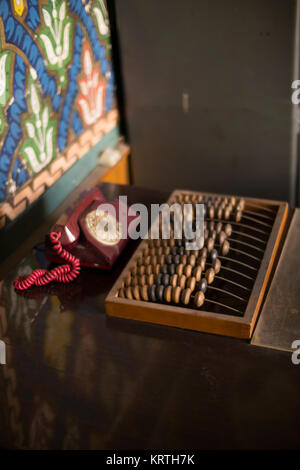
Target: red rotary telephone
{"points": [[84, 240]]}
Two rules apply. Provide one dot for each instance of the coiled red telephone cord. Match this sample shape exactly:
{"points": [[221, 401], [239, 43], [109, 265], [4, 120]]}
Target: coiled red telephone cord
{"points": [[64, 273]]}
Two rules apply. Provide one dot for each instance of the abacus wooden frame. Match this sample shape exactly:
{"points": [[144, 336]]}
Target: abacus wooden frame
{"points": [[201, 320]]}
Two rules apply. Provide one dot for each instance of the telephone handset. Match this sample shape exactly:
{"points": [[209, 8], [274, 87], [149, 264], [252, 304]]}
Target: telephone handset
{"points": [[91, 234]]}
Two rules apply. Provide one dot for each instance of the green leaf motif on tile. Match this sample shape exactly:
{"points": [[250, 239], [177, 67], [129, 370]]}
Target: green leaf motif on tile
{"points": [[38, 149], [5, 61], [100, 13], [56, 38]]}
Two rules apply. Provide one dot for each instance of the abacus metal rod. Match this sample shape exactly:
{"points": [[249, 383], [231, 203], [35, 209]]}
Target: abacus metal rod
{"points": [[243, 253], [237, 272], [255, 220], [244, 243], [249, 236], [232, 282], [227, 293], [257, 214], [267, 209], [222, 305], [238, 262], [240, 225]]}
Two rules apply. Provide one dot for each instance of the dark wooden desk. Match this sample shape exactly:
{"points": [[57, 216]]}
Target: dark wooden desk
{"points": [[77, 379]]}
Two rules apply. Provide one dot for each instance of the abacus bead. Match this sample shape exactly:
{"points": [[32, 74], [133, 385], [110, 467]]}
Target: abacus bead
{"points": [[179, 242], [241, 204], [211, 212], [183, 259], [227, 213], [141, 270], [150, 279], [203, 284], [144, 293], [176, 294], [228, 230], [220, 213], [164, 269], [156, 269], [219, 227], [185, 296], [206, 234], [179, 269], [202, 262], [161, 259], [142, 280], [128, 280], [169, 259], [222, 237], [121, 293], [173, 280], [213, 234], [146, 251], [180, 251], [128, 293], [148, 269], [171, 269], [232, 200], [210, 275], [174, 251], [172, 242], [238, 216], [197, 271], [147, 260], [192, 260], [210, 244], [158, 279], [136, 293], [154, 260], [159, 293], [152, 252], [151, 293], [134, 281], [191, 283], [157, 243], [181, 281], [216, 264], [199, 298], [225, 248], [176, 259], [203, 251], [166, 279], [160, 251], [211, 225], [168, 294], [213, 254], [188, 270], [164, 243]]}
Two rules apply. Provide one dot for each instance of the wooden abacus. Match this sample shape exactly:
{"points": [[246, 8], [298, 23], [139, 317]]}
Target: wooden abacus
{"points": [[218, 288]]}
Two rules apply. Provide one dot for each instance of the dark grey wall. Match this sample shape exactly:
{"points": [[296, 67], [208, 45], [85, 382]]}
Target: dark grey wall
{"points": [[233, 59]]}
